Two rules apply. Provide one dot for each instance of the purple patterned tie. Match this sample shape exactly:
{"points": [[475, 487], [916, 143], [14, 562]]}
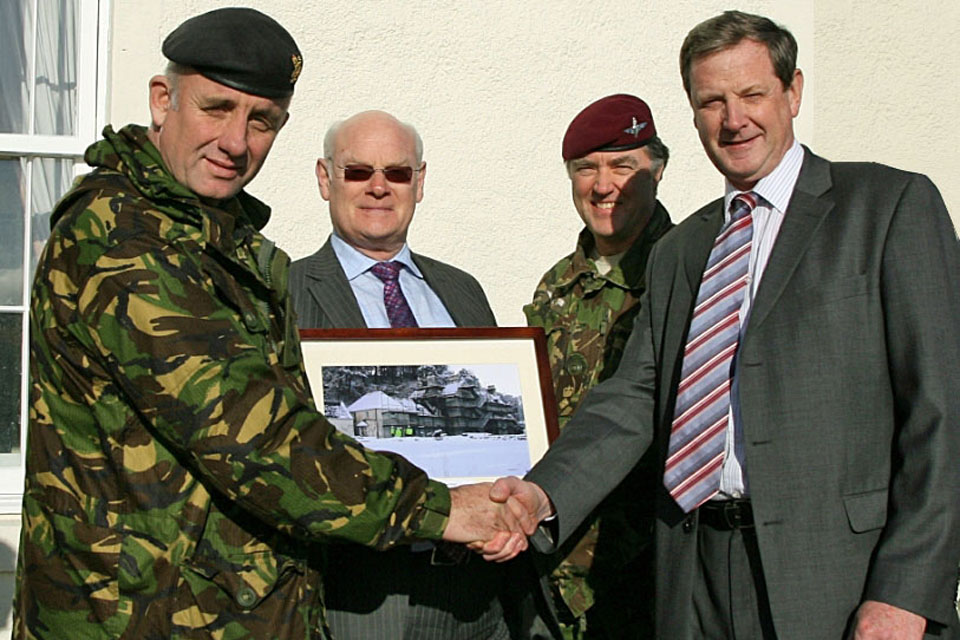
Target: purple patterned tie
{"points": [[398, 311], [698, 433]]}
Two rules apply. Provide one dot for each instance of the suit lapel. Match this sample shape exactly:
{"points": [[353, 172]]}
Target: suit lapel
{"points": [[697, 250], [457, 306], [805, 213], [328, 285]]}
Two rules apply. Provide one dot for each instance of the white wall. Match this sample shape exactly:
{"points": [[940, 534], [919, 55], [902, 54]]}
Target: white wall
{"points": [[492, 85], [886, 81]]}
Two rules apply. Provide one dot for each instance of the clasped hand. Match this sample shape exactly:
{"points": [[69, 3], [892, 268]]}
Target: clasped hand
{"points": [[495, 519]]}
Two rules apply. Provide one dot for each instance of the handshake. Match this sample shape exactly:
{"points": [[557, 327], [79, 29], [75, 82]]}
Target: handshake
{"points": [[494, 520]]}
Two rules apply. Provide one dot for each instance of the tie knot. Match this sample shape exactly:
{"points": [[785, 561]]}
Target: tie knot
{"points": [[743, 204], [387, 271]]}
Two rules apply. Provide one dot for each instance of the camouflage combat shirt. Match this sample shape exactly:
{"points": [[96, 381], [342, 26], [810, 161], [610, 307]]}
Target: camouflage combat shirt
{"points": [[587, 318], [178, 474]]}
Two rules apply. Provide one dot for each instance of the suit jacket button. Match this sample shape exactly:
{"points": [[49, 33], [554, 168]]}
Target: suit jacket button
{"points": [[688, 524]]}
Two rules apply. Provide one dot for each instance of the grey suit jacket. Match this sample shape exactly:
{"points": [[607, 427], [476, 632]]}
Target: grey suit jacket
{"points": [[323, 298], [849, 376]]}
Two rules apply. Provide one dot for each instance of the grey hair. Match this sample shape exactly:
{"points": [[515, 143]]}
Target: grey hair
{"points": [[727, 30], [173, 72], [330, 139], [659, 153]]}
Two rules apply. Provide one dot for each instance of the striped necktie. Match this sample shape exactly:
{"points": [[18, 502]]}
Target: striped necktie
{"points": [[698, 432], [398, 311]]}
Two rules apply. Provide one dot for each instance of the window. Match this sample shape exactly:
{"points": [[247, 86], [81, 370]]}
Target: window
{"points": [[52, 75]]}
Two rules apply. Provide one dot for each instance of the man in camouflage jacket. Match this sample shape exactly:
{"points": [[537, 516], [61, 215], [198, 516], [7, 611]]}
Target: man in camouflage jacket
{"points": [[586, 304], [179, 476]]}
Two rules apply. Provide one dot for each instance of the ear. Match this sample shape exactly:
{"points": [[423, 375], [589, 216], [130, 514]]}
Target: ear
{"points": [[420, 176], [323, 178], [796, 92], [161, 100]]}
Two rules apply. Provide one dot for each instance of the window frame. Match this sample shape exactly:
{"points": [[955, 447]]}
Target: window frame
{"points": [[93, 37]]}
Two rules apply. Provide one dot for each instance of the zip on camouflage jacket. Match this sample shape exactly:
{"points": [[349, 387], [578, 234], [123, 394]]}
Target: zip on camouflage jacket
{"points": [[587, 318], [178, 474]]}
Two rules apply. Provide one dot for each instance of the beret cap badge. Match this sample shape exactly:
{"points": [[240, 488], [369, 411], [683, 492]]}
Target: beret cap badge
{"points": [[297, 67], [636, 128]]}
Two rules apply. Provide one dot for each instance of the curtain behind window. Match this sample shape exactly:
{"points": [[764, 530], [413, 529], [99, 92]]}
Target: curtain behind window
{"points": [[38, 96]]}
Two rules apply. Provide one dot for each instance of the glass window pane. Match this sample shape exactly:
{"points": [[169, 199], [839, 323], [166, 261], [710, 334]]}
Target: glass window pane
{"points": [[10, 337], [15, 25], [51, 179], [12, 211], [56, 67]]}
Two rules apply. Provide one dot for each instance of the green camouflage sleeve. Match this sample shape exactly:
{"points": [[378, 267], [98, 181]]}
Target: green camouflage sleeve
{"points": [[175, 333]]}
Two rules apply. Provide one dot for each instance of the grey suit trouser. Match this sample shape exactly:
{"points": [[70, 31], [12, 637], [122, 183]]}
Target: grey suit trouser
{"points": [[730, 596], [400, 595]]}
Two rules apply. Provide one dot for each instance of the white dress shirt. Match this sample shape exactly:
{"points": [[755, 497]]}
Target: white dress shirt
{"points": [[774, 191]]}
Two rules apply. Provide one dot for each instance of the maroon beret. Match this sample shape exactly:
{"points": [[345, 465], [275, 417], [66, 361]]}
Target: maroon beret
{"points": [[613, 123]]}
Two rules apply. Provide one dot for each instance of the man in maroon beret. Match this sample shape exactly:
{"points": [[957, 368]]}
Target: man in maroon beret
{"points": [[586, 304]]}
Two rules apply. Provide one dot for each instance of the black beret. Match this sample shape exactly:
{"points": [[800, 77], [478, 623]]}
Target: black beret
{"points": [[241, 48], [614, 123]]}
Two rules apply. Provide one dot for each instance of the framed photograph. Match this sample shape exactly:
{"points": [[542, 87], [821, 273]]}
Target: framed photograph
{"points": [[465, 405]]}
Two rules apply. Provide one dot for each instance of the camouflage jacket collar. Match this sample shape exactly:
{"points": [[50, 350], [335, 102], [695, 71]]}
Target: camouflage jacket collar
{"points": [[628, 274], [131, 154]]}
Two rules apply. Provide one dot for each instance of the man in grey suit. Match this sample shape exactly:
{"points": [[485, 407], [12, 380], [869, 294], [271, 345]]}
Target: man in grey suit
{"points": [[372, 175], [808, 439]]}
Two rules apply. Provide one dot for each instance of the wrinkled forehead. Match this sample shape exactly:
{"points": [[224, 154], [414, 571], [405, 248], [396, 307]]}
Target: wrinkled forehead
{"points": [[746, 51], [196, 87]]}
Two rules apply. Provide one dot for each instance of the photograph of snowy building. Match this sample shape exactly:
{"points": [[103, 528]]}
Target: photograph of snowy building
{"points": [[396, 401], [377, 415], [453, 421]]}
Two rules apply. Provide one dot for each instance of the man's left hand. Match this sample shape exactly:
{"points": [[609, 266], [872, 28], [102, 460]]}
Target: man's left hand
{"points": [[882, 621]]}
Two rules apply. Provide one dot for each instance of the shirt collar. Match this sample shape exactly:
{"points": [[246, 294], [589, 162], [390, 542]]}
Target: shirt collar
{"points": [[776, 188], [355, 262]]}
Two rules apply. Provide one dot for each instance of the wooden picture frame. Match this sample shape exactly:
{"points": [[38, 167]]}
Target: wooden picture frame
{"points": [[465, 404]]}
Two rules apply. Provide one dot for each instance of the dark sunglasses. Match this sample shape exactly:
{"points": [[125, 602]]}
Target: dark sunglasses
{"points": [[363, 172]]}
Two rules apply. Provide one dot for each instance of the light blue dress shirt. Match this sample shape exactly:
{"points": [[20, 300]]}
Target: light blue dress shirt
{"points": [[368, 288]]}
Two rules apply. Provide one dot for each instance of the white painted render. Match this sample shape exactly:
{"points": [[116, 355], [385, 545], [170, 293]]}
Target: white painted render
{"points": [[492, 85]]}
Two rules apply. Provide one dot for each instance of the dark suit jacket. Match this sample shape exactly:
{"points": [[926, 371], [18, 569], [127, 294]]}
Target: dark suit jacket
{"points": [[368, 592], [323, 298], [849, 376]]}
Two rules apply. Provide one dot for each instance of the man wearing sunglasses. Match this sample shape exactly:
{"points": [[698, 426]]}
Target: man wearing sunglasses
{"points": [[365, 275]]}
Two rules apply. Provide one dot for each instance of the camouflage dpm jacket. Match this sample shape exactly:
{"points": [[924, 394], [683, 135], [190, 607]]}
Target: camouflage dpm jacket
{"points": [[587, 318], [178, 474]]}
